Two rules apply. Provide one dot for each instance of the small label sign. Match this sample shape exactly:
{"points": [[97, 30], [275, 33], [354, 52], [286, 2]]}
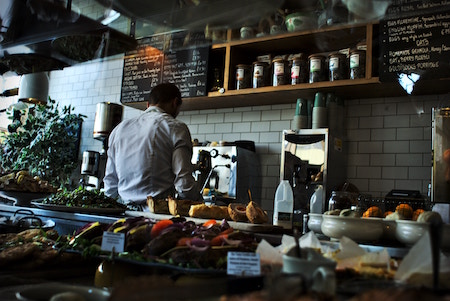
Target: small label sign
{"points": [[113, 242], [243, 264]]}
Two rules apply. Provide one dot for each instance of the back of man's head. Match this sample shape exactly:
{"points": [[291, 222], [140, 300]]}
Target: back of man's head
{"points": [[164, 93]]}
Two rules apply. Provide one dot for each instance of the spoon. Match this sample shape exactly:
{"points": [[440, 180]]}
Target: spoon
{"points": [[435, 239], [297, 250]]}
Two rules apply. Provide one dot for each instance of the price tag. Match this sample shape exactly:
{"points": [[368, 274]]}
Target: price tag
{"points": [[111, 240], [243, 264]]}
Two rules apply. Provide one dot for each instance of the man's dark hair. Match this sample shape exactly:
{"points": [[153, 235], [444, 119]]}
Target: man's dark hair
{"points": [[164, 93]]}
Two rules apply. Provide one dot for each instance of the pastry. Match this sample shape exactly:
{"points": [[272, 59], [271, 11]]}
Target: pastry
{"points": [[429, 216], [209, 211], [237, 212], [373, 211], [255, 214], [404, 211]]}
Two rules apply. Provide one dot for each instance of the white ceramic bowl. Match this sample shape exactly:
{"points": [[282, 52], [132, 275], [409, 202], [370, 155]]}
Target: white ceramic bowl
{"points": [[300, 21], [358, 229], [389, 229], [315, 222], [45, 291], [409, 232]]}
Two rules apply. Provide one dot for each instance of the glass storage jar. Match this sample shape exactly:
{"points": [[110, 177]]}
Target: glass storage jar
{"points": [[317, 72], [260, 74], [342, 200], [243, 76], [299, 70], [357, 64], [337, 66], [280, 72]]}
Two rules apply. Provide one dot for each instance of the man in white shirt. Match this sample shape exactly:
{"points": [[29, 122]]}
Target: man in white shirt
{"points": [[150, 155]]}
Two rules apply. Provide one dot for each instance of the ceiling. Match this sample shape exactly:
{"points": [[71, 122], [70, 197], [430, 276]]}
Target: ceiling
{"points": [[44, 35]]}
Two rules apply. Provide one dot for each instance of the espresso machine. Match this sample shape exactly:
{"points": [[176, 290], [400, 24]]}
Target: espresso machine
{"points": [[309, 158], [227, 174], [440, 178], [107, 116]]}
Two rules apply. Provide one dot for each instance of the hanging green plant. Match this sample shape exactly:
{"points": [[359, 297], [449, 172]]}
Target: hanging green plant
{"points": [[46, 143]]}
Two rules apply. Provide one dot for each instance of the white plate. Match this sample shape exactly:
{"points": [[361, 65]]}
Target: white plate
{"points": [[45, 291]]}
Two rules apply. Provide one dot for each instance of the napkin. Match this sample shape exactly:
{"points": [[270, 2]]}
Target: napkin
{"points": [[416, 267]]}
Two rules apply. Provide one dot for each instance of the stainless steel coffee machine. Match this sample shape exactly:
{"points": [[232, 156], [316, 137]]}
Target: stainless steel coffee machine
{"points": [[107, 116], [227, 174], [309, 158], [440, 178]]}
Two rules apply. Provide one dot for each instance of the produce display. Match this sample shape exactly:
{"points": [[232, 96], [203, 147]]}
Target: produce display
{"points": [[22, 181], [83, 198], [402, 212], [169, 241], [30, 249]]}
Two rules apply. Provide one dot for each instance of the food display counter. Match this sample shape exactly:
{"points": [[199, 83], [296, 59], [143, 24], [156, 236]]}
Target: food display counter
{"points": [[84, 272]]}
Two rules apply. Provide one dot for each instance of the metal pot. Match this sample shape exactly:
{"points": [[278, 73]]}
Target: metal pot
{"points": [[107, 116], [90, 163], [24, 219]]}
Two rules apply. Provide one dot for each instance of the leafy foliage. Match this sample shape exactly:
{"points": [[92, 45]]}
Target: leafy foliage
{"points": [[46, 144]]}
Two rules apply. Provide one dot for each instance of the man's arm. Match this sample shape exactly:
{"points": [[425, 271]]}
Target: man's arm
{"points": [[184, 182]]}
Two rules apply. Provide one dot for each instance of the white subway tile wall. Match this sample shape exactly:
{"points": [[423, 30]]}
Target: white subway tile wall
{"points": [[388, 139]]}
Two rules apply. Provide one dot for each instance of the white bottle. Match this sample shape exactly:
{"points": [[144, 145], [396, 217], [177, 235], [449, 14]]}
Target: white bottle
{"points": [[283, 205], [316, 202]]}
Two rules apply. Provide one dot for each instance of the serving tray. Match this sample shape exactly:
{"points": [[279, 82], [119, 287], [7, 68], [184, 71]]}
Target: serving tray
{"points": [[259, 228], [86, 210]]}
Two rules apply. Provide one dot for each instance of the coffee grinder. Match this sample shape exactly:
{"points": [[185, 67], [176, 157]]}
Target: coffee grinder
{"points": [[107, 116]]}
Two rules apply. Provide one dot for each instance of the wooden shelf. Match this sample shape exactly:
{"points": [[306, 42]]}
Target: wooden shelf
{"points": [[329, 39]]}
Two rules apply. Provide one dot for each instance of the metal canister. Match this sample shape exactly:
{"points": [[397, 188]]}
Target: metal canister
{"points": [[357, 63], [337, 66], [299, 70], [317, 68], [90, 163], [243, 76], [107, 116], [280, 72], [259, 74]]}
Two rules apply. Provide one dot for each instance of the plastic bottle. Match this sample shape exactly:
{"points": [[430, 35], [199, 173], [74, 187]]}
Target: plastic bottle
{"points": [[316, 202], [283, 205]]}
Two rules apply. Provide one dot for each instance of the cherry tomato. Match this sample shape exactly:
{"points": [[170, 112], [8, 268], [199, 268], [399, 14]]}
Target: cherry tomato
{"points": [[209, 223], [159, 226], [219, 239], [184, 241]]}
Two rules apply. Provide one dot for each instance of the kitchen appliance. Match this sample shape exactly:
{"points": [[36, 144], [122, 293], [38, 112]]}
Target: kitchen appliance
{"points": [[227, 174], [309, 158], [107, 116], [440, 178]]}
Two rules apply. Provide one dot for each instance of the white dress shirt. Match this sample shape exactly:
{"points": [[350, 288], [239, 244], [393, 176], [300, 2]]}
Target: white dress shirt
{"points": [[150, 155]]}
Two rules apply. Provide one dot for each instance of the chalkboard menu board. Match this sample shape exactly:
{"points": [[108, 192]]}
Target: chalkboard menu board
{"points": [[180, 58], [414, 40]]}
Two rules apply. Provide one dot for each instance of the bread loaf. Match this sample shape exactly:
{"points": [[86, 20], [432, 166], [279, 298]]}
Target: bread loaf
{"points": [[180, 207], [160, 206], [209, 211]]}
